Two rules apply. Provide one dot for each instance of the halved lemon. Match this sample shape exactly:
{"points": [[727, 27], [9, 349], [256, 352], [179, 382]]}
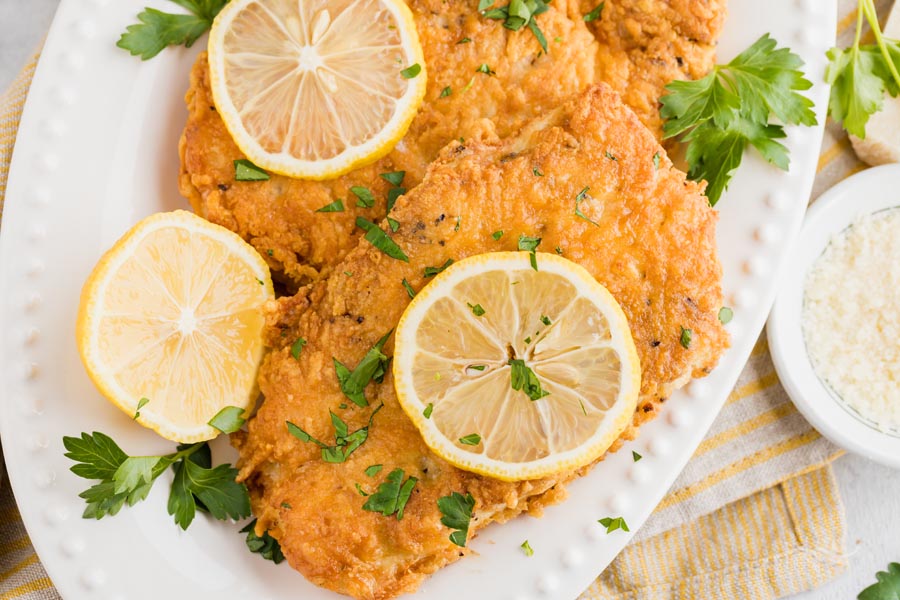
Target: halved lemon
{"points": [[315, 88], [513, 372], [170, 323]]}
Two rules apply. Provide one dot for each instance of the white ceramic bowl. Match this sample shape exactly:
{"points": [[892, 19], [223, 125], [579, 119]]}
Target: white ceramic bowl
{"points": [[867, 192]]}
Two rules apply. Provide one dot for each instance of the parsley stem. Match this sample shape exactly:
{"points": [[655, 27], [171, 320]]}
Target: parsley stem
{"points": [[872, 17]]}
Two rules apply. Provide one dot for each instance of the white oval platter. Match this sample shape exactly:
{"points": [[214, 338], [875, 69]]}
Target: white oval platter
{"points": [[97, 152]]}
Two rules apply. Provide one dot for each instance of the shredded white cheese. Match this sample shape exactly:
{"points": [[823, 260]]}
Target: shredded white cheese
{"points": [[851, 317]]}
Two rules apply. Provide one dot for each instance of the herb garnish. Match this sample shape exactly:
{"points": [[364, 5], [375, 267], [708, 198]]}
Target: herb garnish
{"points": [[432, 271], [526, 548], [336, 206], [530, 244], [411, 71], [518, 14], [373, 470], [536, 172], [473, 439], [297, 348], [721, 114], [391, 497], [125, 479], [725, 315], [594, 14], [545, 320], [428, 410], [158, 29], [264, 545], [635, 456], [244, 170], [364, 196], [465, 40], [686, 337], [610, 155], [372, 367], [484, 68], [395, 178], [888, 586], [579, 198], [345, 442], [141, 404], [524, 379], [477, 309], [409, 289], [497, 234], [378, 238], [457, 512], [445, 92], [612, 524], [656, 161], [229, 419], [859, 75], [394, 224]]}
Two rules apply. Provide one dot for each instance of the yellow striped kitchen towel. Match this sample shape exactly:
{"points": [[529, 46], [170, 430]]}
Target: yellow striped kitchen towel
{"points": [[756, 513]]}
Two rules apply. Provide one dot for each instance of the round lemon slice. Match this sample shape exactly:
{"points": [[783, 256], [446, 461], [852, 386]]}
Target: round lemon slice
{"points": [[170, 324], [315, 88], [516, 373]]}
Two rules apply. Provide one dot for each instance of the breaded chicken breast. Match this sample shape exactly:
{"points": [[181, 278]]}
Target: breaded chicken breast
{"points": [[651, 243], [646, 44], [278, 217]]}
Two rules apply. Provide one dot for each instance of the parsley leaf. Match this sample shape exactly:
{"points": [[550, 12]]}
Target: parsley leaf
{"points": [[392, 495], [264, 545], [372, 366], [612, 524], [364, 197], [888, 586], [373, 470], [244, 170], [725, 315], [432, 271], [378, 238], [686, 336], [345, 442], [336, 206], [524, 379], [457, 513], [446, 92], [473, 439], [635, 456], [158, 29], [395, 178], [484, 68], [526, 548], [428, 410], [229, 419], [518, 14], [497, 234], [729, 109], [141, 404], [477, 309], [579, 198], [530, 244], [594, 14], [409, 289], [411, 71], [215, 489], [297, 348]]}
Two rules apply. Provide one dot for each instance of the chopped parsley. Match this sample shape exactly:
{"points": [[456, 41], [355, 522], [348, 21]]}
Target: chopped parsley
{"points": [[497, 234], [360, 490], [244, 170], [428, 410], [465, 40], [392, 495], [264, 545], [409, 289], [518, 14], [228, 420], [345, 442], [373, 470], [725, 315], [372, 367], [610, 155], [432, 271], [456, 227], [457, 513], [636, 456], [378, 238], [656, 161], [594, 14], [141, 404], [526, 548], [395, 178], [297, 348], [478, 367], [536, 172], [581, 197], [445, 92], [613, 523], [524, 379], [686, 337], [392, 196], [473, 439], [364, 196], [411, 71], [545, 320], [484, 68], [477, 309], [394, 224], [336, 206], [530, 244]]}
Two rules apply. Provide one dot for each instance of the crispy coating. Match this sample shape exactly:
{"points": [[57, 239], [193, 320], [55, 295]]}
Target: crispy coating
{"points": [[653, 246], [278, 216], [646, 44]]}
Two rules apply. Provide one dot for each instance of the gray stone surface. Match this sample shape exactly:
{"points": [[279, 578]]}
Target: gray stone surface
{"points": [[871, 493]]}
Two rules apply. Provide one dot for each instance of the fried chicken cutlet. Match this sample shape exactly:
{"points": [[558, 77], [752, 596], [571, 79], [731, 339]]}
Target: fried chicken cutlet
{"points": [[278, 217], [651, 243], [646, 44]]}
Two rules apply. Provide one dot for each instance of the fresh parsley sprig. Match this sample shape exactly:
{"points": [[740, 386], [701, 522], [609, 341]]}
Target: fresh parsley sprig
{"points": [[264, 545], [125, 479], [345, 441], [392, 495], [457, 513], [888, 586], [721, 114], [372, 367], [859, 75], [158, 29]]}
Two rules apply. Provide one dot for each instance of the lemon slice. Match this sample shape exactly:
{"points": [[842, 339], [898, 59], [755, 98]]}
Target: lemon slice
{"points": [[315, 88], [515, 373], [172, 314]]}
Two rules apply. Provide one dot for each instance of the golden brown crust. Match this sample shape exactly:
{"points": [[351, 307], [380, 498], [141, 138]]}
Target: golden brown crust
{"points": [[645, 44], [653, 247], [278, 216]]}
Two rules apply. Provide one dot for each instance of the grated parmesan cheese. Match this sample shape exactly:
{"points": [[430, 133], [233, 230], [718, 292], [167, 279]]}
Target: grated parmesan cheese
{"points": [[851, 317]]}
